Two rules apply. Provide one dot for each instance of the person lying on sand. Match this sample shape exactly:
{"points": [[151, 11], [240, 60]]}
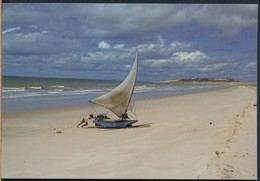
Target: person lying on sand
{"points": [[84, 120]]}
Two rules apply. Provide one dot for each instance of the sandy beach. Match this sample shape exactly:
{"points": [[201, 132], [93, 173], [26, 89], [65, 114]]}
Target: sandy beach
{"points": [[204, 135]]}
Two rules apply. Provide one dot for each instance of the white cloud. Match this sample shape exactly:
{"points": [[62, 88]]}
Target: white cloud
{"points": [[212, 68], [147, 47], [104, 44], [119, 46], [128, 66], [34, 26], [156, 62], [9, 30], [65, 59], [192, 56], [101, 56], [251, 65], [177, 44], [94, 56], [161, 40], [31, 37], [191, 59]]}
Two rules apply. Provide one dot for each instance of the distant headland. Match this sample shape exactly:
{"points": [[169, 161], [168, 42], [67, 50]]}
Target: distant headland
{"points": [[225, 81]]}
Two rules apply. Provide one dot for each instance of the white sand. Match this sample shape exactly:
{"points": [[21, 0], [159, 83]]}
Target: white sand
{"points": [[201, 135]]}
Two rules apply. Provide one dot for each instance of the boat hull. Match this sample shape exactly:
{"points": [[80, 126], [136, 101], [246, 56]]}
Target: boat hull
{"points": [[114, 124]]}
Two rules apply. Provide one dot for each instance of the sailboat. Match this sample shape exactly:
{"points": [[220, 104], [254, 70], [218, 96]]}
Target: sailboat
{"points": [[119, 101]]}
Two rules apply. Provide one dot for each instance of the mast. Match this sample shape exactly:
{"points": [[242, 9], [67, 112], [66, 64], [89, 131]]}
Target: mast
{"points": [[136, 61]]}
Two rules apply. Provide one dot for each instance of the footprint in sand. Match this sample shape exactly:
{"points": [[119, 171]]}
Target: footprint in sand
{"points": [[218, 153], [226, 171]]}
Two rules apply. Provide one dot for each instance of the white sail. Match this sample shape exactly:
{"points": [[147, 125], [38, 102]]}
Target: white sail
{"points": [[131, 106], [118, 100]]}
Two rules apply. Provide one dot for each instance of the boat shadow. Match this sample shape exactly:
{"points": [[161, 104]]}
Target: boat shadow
{"points": [[147, 125], [141, 125]]}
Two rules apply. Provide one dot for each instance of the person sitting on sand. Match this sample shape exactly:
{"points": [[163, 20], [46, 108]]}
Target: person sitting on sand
{"points": [[84, 120]]}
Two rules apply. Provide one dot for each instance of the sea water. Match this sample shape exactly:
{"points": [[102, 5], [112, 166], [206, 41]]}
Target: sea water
{"points": [[23, 94]]}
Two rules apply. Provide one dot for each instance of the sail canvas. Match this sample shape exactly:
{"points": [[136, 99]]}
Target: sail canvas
{"points": [[118, 100]]}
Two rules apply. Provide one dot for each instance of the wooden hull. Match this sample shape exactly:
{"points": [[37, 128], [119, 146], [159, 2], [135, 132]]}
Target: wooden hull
{"points": [[114, 124]]}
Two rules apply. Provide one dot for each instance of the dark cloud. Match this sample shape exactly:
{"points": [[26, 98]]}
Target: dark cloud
{"points": [[112, 20], [99, 40]]}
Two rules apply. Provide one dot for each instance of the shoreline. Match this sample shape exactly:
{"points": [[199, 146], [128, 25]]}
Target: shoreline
{"points": [[62, 94], [205, 133], [136, 100]]}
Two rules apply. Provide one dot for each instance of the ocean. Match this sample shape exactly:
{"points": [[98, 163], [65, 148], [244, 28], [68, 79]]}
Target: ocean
{"points": [[23, 94]]}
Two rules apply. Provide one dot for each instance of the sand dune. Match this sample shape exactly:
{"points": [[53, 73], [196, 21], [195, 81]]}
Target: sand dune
{"points": [[194, 136]]}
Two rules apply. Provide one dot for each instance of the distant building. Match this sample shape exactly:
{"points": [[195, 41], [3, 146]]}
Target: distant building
{"points": [[207, 80]]}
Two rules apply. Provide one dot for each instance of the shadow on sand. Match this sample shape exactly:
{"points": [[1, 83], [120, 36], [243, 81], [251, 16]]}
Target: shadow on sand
{"points": [[147, 125]]}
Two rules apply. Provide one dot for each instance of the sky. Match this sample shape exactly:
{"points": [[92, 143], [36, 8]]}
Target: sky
{"points": [[98, 41]]}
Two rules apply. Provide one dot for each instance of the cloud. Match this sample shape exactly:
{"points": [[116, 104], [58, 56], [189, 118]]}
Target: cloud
{"points": [[189, 56], [177, 44], [251, 65], [106, 45], [37, 43], [212, 68], [103, 44], [116, 20], [156, 62], [9, 30], [128, 66], [31, 37], [126, 21], [34, 26], [172, 39], [226, 20], [118, 56], [162, 49], [66, 59], [119, 46]]}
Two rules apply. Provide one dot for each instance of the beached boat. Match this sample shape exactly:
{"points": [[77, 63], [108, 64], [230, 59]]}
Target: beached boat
{"points": [[119, 101]]}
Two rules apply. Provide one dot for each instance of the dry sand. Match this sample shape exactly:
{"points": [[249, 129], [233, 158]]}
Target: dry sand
{"points": [[195, 136]]}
